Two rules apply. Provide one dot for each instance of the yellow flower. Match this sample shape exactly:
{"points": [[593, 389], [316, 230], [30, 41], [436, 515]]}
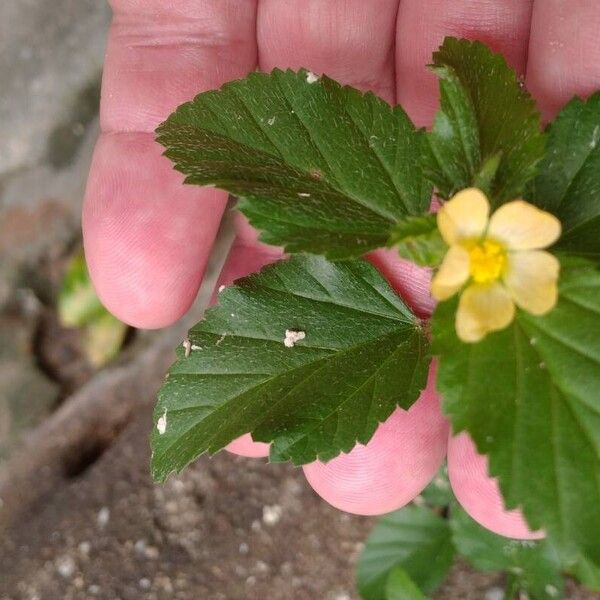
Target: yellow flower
{"points": [[499, 258]]}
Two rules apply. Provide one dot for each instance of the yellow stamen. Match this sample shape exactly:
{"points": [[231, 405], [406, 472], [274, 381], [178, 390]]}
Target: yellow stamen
{"points": [[487, 261]]}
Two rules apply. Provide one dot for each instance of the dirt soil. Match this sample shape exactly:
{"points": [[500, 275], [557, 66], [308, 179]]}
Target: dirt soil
{"points": [[228, 528]]}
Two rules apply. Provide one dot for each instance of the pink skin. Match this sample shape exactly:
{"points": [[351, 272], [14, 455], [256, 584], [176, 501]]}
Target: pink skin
{"points": [[399, 461], [479, 494], [147, 238]]}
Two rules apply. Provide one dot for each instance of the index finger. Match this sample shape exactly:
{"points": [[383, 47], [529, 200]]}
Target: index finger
{"points": [[147, 237]]}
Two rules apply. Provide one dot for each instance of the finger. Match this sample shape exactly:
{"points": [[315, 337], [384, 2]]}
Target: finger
{"points": [[502, 24], [564, 52], [479, 494], [147, 238], [395, 466], [349, 40]]}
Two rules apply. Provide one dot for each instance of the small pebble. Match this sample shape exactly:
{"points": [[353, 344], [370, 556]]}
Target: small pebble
{"points": [[84, 548], [145, 583], [272, 514], [65, 567], [103, 516], [494, 593]]}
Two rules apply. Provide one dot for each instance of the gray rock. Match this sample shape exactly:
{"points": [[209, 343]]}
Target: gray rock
{"points": [[51, 57]]}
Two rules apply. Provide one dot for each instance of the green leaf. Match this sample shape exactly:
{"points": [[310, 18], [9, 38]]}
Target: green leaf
{"points": [[418, 239], [318, 167], [399, 586], [78, 303], [528, 395], [364, 353], [586, 572], [103, 338], [438, 493], [488, 130], [413, 538], [568, 183], [533, 566], [102, 334]]}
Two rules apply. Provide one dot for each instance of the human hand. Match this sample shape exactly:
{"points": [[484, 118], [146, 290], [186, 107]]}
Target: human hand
{"points": [[147, 237]]}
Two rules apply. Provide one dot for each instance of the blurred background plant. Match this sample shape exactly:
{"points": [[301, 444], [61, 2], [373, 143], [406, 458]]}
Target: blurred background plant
{"points": [[410, 552], [103, 335]]}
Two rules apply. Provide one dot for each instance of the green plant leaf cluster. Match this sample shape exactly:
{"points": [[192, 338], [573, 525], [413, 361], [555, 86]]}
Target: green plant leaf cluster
{"points": [[487, 133], [324, 169], [410, 552]]}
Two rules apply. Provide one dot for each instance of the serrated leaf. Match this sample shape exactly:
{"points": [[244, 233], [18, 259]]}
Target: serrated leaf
{"points": [[533, 565], [364, 353], [417, 238], [568, 183], [488, 130], [318, 167], [399, 586], [413, 538], [528, 395]]}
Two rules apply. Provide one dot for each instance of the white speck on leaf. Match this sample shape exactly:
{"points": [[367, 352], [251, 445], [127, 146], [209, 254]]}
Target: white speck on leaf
{"points": [[551, 590], [271, 121], [194, 347], [542, 365], [533, 341], [304, 194], [221, 339], [187, 346], [292, 336], [595, 137], [221, 288], [161, 425], [311, 77]]}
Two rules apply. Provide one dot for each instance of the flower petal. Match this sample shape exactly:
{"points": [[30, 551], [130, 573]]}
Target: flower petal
{"points": [[464, 216], [452, 274], [531, 278], [522, 226], [483, 308]]}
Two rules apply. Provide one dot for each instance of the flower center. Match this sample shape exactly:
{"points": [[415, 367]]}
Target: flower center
{"points": [[487, 261]]}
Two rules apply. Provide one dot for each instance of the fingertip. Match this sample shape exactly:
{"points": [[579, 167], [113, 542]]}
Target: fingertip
{"points": [[480, 494], [246, 446], [393, 468], [147, 237], [409, 280]]}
